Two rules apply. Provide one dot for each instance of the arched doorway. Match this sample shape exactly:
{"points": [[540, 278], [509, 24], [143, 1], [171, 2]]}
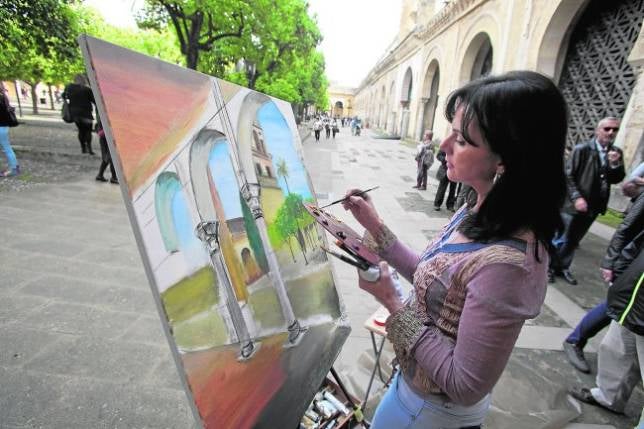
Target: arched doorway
{"points": [[391, 110], [596, 78], [478, 59], [430, 97], [405, 101], [338, 109]]}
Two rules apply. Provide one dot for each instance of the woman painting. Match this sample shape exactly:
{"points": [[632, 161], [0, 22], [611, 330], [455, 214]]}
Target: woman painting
{"points": [[485, 274]]}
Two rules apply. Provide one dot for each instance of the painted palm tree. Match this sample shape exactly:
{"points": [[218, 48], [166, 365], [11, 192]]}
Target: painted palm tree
{"points": [[282, 170]]}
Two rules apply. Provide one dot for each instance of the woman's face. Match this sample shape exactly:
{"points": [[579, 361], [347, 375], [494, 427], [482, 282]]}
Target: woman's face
{"points": [[471, 163]]}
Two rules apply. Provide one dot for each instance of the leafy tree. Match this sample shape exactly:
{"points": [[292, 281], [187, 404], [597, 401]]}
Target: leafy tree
{"points": [[198, 23], [287, 222], [33, 36]]}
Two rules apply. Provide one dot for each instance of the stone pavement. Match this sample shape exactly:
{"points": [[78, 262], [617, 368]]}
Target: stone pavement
{"points": [[82, 344]]}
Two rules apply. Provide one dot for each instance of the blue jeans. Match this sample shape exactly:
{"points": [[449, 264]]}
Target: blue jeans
{"points": [[6, 147], [402, 408], [593, 322]]}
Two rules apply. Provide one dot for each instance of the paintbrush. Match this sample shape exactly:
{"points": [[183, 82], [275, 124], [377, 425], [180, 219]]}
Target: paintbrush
{"points": [[357, 194], [360, 265]]}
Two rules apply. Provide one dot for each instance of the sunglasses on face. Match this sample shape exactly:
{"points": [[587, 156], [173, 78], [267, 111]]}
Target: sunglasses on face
{"points": [[607, 129]]}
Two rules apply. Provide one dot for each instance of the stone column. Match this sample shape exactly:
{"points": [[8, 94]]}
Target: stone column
{"points": [[251, 194], [208, 233]]}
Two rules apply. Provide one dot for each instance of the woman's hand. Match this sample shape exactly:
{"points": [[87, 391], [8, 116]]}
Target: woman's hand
{"points": [[383, 290], [362, 209]]}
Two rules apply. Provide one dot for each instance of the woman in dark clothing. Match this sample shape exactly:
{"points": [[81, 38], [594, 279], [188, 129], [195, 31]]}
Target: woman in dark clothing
{"points": [[106, 159], [80, 99]]}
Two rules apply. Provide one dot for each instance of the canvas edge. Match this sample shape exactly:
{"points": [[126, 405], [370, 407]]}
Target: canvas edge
{"points": [[89, 68]]}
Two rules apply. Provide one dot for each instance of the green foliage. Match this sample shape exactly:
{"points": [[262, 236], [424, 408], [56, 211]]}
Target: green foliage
{"points": [[291, 216], [198, 23], [254, 238]]}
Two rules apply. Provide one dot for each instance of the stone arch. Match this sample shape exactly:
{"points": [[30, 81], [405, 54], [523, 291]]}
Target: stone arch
{"points": [[407, 87], [478, 58], [554, 44], [478, 48], [391, 108], [382, 106], [338, 109], [166, 189], [405, 102], [430, 97]]}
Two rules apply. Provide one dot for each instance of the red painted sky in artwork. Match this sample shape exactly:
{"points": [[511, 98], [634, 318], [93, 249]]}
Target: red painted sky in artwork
{"points": [[150, 105]]}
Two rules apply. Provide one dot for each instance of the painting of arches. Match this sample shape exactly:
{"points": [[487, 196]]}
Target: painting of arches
{"points": [[214, 185]]}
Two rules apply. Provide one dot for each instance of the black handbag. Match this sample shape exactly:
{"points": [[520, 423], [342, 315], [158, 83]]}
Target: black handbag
{"points": [[12, 119], [66, 112], [8, 116]]}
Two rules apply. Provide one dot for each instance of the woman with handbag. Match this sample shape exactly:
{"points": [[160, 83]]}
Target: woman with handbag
{"points": [[7, 119]]}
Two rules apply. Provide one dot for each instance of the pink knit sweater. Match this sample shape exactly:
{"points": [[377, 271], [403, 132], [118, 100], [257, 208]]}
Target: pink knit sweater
{"points": [[455, 334]]}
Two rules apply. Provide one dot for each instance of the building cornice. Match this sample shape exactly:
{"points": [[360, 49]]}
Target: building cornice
{"points": [[420, 35]]}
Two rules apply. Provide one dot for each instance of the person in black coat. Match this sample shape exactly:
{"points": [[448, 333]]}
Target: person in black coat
{"points": [[80, 99], [592, 167], [612, 266]]}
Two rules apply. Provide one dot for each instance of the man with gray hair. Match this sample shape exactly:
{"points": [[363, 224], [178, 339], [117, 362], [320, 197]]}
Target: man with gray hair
{"points": [[591, 168]]}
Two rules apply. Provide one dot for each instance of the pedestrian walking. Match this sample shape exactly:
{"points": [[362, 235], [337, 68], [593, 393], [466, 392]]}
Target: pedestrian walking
{"points": [[317, 128], [327, 128], [7, 119], [335, 129], [592, 167], [611, 268], [81, 99], [424, 159], [485, 274], [106, 158], [443, 184], [620, 359]]}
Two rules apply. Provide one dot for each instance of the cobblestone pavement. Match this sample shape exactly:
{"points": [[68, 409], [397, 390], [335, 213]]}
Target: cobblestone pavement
{"points": [[82, 344]]}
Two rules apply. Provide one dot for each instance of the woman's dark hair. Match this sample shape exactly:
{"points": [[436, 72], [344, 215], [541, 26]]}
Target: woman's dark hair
{"points": [[523, 118]]}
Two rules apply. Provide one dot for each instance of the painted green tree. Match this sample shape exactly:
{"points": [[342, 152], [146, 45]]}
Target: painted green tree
{"points": [[254, 239]]}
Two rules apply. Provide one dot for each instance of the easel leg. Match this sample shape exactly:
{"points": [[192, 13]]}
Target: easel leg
{"points": [[378, 352]]}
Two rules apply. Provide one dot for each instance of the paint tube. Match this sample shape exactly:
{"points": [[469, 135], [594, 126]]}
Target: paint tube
{"points": [[330, 424], [307, 423], [336, 403], [312, 415], [326, 408]]}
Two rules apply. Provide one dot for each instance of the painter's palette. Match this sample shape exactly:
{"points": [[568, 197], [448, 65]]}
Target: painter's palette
{"points": [[347, 239]]}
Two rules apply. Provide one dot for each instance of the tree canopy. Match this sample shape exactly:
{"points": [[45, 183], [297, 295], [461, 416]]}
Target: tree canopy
{"points": [[266, 45]]}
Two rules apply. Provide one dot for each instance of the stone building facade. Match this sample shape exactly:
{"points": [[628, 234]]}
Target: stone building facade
{"points": [[341, 101], [593, 49]]}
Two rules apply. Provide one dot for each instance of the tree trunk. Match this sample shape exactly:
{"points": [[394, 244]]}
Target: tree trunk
{"points": [[34, 98], [51, 98], [192, 57], [18, 95]]}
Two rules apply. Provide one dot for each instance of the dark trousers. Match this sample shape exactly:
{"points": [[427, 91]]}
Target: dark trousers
{"points": [[421, 179], [317, 135], [440, 193], [106, 159], [84, 134], [593, 322], [567, 241], [328, 132]]}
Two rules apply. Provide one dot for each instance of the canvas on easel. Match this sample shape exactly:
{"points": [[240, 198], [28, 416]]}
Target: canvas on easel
{"points": [[214, 182]]}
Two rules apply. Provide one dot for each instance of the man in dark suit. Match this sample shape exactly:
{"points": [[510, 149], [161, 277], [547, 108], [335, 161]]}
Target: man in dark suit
{"points": [[592, 167]]}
